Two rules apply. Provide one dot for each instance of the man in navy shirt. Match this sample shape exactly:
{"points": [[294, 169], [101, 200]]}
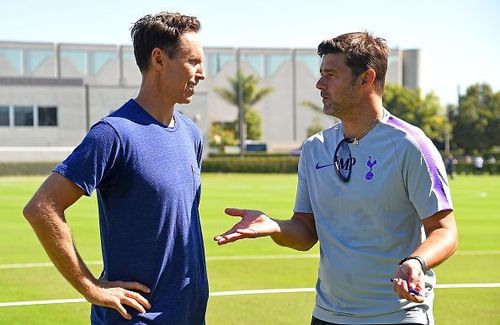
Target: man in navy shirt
{"points": [[144, 161]]}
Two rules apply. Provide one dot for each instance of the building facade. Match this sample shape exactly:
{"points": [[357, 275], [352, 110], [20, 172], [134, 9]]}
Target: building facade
{"points": [[50, 94]]}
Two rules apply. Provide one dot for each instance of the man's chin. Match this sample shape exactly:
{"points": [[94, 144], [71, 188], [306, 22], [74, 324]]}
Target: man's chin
{"points": [[328, 110], [331, 111], [186, 100]]}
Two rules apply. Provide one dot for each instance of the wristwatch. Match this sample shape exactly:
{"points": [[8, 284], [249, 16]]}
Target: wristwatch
{"points": [[418, 258]]}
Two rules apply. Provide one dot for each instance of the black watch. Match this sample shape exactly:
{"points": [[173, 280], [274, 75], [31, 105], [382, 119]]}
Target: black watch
{"points": [[418, 258]]}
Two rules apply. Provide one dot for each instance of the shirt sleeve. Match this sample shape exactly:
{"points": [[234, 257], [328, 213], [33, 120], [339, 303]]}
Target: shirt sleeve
{"points": [[425, 178], [302, 199], [92, 159]]}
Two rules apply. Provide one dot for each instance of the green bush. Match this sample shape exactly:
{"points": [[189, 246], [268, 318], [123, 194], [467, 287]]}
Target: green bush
{"points": [[252, 164], [26, 168], [463, 168], [248, 154]]}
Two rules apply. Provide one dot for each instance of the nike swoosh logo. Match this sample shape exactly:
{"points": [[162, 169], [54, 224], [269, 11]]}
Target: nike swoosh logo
{"points": [[318, 166]]}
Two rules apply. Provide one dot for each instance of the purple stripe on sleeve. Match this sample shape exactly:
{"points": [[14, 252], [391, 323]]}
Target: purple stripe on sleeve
{"points": [[444, 202]]}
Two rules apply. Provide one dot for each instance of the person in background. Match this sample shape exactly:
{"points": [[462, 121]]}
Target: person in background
{"points": [[449, 164], [372, 189], [478, 164], [144, 162]]}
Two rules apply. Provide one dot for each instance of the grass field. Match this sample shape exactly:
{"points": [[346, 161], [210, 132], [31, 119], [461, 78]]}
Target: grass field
{"points": [[247, 265]]}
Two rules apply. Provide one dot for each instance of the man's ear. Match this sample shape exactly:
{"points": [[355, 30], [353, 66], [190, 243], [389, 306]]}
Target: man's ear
{"points": [[158, 58], [368, 77]]}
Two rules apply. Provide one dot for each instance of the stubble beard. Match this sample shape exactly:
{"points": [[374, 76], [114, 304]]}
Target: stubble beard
{"points": [[344, 107], [334, 109], [340, 109]]}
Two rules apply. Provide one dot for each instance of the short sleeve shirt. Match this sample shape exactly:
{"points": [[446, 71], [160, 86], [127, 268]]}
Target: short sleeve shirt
{"points": [[147, 177], [365, 226]]}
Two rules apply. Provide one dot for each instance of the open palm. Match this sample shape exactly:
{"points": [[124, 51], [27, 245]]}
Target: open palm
{"points": [[253, 224]]}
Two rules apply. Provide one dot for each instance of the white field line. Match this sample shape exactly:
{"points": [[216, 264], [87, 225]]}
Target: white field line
{"points": [[41, 302], [33, 265], [209, 258], [237, 293], [467, 285], [235, 258]]}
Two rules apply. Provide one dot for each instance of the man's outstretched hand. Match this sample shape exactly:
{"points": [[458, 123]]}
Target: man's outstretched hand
{"points": [[253, 224]]}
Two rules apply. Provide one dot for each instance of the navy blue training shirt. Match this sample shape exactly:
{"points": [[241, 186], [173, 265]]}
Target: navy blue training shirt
{"points": [[147, 177]]}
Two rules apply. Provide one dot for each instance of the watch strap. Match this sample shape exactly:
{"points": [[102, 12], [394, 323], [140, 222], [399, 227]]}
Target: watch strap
{"points": [[418, 258]]}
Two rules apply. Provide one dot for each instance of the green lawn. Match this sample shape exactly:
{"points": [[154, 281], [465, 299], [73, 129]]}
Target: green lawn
{"points": [[253, 264]]}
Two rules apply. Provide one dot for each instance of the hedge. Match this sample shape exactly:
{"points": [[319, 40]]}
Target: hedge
{"points": [[248, 154], [252, 164], [26, 168], [467, 169]]}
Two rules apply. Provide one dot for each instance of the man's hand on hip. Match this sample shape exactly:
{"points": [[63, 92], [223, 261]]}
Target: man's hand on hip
{"points": [[116, 294]]}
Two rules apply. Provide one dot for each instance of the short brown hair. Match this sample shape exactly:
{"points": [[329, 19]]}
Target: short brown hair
{"points": [[162, 31], [362, 52]]}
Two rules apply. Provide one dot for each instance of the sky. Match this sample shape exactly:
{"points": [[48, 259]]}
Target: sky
{"points": [[459, 40]]}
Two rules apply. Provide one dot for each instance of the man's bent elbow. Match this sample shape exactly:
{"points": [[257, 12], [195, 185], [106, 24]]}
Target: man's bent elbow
{"points": [[306, 247], [33, 210], [299, 246], [30, 211]]}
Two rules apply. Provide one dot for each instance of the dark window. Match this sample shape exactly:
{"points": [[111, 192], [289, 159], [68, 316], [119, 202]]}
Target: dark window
{"points": [[4, 115], [47, 116], [23, 115]]}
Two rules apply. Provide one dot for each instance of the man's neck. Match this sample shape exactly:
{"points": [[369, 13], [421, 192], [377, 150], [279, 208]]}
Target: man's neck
{"points": [[357, 124], [153, 101]]}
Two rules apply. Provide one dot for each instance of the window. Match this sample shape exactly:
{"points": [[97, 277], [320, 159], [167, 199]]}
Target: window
{"points": [[275, 61], [37, 57], [77, 58], [128, 55], [311, 61], [14, 58], [23, 115], [217, 61], [101, 58], [256, 61], [4, 116], [47, 116]]}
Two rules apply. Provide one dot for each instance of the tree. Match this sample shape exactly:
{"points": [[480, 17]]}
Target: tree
{"points": [[422, 111], [476, 120], [251, 94], [254, 124], [222, 134]]}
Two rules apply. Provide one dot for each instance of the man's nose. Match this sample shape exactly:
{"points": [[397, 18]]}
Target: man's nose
{"points": [[319, 84], [200, 74]]}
